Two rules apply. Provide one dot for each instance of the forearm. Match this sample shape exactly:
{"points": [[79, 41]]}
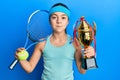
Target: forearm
{"points": [[78, 57], [29, 66], [26, 66], [81, 70]]}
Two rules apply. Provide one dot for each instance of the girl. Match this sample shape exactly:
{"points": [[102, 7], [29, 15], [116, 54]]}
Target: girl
{"points": [[58, 54]]}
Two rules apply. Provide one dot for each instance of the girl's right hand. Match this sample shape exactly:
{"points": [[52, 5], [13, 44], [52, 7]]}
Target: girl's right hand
{"points": [[21, 54]]}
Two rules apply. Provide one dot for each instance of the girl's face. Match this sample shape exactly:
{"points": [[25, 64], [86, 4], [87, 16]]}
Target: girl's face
{"points": [[59, 21]]}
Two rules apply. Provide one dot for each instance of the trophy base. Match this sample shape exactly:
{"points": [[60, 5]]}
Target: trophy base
{"points": [[89, 63]]}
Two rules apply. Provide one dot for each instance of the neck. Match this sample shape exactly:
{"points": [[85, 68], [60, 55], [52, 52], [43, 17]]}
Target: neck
{"points": [[59, 36]]}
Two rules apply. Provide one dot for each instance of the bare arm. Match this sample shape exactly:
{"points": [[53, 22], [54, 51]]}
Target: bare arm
{"points": [[78, 57], [29, 66]]}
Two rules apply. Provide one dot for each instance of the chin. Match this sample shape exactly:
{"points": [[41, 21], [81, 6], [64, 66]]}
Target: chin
{"points": [[60, 31]]}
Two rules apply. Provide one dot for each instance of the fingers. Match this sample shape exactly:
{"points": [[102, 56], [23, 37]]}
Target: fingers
{"points": [[17, 51], [89, 52], [20, 49]]}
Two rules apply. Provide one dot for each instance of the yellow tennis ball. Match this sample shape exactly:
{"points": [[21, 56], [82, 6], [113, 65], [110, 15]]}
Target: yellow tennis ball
{"points": [[23, 55]]}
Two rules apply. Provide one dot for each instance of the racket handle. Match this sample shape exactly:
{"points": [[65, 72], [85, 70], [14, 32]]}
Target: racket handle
{"points": [[13, 64]]}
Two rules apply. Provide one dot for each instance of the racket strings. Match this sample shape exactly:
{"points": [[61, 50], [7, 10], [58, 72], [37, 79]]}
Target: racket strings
{"points": [[38, 27]]}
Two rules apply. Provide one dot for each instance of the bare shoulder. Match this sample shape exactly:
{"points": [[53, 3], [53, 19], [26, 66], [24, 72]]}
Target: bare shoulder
{"points": [[40, 45]]}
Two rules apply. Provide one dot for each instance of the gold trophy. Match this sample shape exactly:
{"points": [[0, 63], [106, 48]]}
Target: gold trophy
{"points": [[85, 35]]}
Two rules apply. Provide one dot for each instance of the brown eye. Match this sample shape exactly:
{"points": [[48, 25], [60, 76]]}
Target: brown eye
{"points": [[53, 17], [64, 17]]}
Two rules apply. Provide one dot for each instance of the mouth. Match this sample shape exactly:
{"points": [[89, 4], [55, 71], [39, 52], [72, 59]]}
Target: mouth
{"points": [[58, 26]]}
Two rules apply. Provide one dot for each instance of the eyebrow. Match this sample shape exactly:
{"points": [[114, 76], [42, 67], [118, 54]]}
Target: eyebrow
{"points": [[61, 15]]}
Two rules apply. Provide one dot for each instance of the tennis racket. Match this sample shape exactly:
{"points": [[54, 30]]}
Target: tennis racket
{"points": [[38, 29]]}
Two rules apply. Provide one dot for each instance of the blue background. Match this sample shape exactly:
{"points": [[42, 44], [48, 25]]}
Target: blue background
{"points": [[106, 13]]}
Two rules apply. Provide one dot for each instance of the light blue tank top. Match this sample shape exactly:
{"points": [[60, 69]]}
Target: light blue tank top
{"points": [[58, 61]]}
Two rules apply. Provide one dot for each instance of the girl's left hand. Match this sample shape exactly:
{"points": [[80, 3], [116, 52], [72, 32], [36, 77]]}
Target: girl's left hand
{"points": [[89, 52]]}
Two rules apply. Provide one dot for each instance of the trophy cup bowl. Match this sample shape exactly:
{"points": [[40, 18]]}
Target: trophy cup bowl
{"points": [[85, 35]]}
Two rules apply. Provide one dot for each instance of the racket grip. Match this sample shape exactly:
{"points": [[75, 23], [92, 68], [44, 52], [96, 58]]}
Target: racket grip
{"points": [[13, 64]]}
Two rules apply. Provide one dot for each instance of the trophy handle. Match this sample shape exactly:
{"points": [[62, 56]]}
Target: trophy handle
{"points": [[94, 28]]}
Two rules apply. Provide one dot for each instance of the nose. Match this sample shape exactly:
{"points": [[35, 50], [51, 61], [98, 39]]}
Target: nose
{"points": [[59, 20]]}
